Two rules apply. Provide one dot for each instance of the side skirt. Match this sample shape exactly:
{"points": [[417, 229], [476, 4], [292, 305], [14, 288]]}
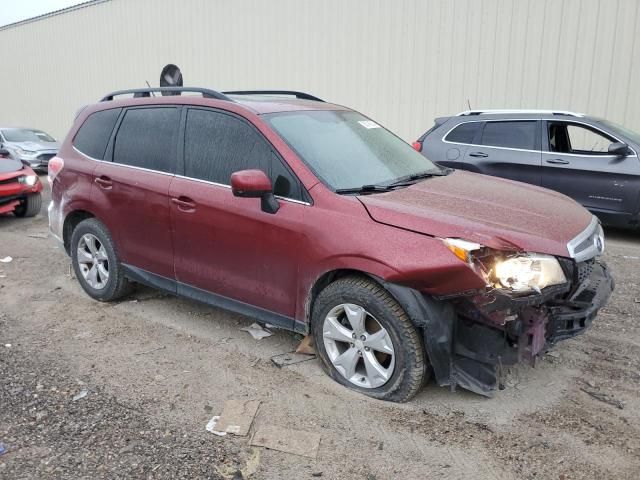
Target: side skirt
{"points": [[182, 289]]}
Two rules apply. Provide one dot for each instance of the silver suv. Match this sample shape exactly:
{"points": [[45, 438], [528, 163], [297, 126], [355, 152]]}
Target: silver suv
{"points": [[592, 160]]}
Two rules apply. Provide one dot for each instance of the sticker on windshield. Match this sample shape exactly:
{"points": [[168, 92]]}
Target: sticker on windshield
{"points": [[369, 124]]}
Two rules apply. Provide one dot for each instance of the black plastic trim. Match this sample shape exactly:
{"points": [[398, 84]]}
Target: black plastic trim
{"points": [[300, 95]]}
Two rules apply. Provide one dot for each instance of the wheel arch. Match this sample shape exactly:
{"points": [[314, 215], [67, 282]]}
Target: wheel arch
{"points": [[71, 221]]}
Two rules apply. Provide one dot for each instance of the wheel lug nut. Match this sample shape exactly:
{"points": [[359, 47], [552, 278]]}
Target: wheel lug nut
{"points": [[353, 335], [363, 337], [366, 349]]}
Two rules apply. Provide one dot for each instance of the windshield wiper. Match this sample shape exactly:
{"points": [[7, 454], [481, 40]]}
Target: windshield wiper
{"points": [[365, 189], [411, 179]]}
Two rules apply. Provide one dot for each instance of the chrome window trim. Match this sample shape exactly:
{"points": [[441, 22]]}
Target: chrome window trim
{"points": [[285, 199], [536, 151], [591, 251]]}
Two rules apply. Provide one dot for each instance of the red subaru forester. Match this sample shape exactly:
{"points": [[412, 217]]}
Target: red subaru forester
{"points": [[312, 217]]}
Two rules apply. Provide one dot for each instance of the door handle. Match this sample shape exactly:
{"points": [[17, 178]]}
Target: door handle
{"points": [[184, 203], [104, 182], [478, 155], [558, 161]]}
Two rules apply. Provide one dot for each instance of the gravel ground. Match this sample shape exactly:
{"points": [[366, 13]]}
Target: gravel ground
{"points": [[156, 369]]}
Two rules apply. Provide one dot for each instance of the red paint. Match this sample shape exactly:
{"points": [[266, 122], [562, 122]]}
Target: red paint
{"points": [[11, 187], [250, 183], [201, 234]]}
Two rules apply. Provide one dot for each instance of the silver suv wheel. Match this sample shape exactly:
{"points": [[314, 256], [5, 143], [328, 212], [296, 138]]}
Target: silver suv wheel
{"points": [[358, 346], [93, 261]]}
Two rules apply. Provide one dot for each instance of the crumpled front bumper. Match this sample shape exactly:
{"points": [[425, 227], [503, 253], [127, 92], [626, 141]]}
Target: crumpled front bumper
{"points": [[574, 315]]}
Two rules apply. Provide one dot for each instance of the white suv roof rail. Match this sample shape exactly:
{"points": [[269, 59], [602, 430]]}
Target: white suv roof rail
{"points": [[497, 112]]}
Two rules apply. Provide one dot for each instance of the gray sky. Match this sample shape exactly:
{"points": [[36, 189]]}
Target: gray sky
{"points": [[15, 10]]}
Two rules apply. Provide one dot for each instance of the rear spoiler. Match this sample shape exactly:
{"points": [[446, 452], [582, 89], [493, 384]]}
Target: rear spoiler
{"points": [[436, 123]]}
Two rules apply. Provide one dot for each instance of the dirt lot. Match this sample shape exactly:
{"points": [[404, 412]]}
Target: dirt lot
{"points": [[156, 369]]}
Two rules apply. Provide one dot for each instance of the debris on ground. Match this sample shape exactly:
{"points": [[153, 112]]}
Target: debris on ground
{"points": [[6, 260], [306, 346], [257, 331], [296, 442], [290, 358], [81, 395], [211, 426], [38, 235], [604, 397], [237, 416], [162, 347], [3, 449]]}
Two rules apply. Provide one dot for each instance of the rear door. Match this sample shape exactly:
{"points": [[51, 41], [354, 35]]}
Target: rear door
{"points": [[578, 164], [131, 191], [507, 149], [224, 244], [453, 147]]}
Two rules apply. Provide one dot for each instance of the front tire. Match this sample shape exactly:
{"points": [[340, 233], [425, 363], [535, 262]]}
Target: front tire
{"points": [[95, 262], [366, 341], [30, 206]]}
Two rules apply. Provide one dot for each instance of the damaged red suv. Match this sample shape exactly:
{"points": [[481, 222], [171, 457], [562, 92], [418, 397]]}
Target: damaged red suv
{"points": [[20, 187], [314, 218]]}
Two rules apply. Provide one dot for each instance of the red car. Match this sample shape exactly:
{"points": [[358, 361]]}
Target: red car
{"points": [[314, 218], [20, 188]]}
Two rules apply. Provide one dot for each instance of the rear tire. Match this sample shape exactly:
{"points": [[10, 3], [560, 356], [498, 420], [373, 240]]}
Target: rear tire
{"points": [[95, 262], [30, 206], [394, 376]]}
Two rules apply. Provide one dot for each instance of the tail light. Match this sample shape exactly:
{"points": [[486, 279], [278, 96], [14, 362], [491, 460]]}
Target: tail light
{"points": [[417, 146], [56, 164]]}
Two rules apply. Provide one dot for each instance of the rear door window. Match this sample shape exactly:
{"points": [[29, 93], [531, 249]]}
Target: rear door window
{"points": [[147, 138], [217, 144], [521, 134], [94, 134], [463, 133]]}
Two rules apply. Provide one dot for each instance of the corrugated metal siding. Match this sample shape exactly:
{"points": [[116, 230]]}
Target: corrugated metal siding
{"points": [[402, 62]]}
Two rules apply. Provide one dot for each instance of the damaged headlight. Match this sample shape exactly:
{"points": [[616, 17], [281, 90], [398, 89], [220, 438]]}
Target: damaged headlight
{"points": [[29, 180], [520, 273], [528, 272]]}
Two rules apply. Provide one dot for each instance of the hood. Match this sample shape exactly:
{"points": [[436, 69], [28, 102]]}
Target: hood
{"points": [[9, 165], [35, 146], [494, 212]]}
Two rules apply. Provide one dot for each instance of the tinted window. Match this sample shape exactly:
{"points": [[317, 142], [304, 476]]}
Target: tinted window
{"points": [[463, 133], [146, 138], [510, 135], [93, 136], [217, 144]]}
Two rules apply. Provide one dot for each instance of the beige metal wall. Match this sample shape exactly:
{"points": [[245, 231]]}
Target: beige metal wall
{"points": [[403, 62]]}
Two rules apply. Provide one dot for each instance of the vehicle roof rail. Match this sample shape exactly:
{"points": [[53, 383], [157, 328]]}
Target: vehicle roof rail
{"points": [[300, 95], [498, 112], [146, 92]]}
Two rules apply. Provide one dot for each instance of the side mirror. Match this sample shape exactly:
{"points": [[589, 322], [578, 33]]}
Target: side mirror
{"points": [[255, 184], [4, 153], [619, 148]]}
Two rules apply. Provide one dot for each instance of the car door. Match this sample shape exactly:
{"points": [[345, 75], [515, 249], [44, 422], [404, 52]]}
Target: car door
{"points": [[131, 192], [507, 149], [226, 245], [578, 164]]}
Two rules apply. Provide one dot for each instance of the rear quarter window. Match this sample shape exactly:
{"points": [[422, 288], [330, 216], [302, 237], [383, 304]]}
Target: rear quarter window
{"points": [[463, 133], [93, 136], [147, 138]]}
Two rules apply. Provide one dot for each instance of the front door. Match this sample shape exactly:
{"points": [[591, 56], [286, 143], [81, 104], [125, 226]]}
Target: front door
{"points": [[225, 245], [578, 164]]}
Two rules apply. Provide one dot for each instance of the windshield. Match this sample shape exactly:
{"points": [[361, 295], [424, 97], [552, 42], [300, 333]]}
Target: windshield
{"points": [[633, 136], [347, 150], [26, 135]]}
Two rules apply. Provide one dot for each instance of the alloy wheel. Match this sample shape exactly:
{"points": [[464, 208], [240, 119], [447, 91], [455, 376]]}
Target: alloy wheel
{"points": [[93, 261], [358, 346]]}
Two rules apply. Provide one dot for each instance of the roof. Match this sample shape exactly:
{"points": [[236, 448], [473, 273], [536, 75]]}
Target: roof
{"points": [[258, 104]]}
